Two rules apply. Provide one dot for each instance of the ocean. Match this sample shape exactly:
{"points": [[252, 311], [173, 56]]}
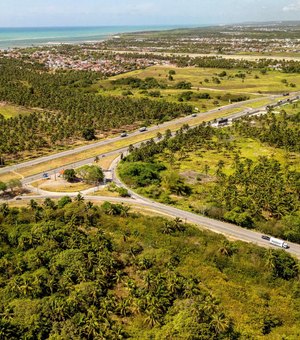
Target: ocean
{"points": [[35, 36]]}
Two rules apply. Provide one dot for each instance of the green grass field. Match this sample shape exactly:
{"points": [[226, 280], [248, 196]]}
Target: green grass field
{"points": [[172, 95], [293, 108], [254, 82], [249, 148], [9, 111]]}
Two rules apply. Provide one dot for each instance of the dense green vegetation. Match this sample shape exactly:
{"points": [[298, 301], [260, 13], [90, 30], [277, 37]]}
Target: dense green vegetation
{"points": [[77, 110], [252, 190], [280, 132], [71, 270], [262, 64], [148, 83]]}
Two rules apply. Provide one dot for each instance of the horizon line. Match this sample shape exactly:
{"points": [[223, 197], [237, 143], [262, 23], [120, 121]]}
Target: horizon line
{"points": [[96, 26], [158, 25]]}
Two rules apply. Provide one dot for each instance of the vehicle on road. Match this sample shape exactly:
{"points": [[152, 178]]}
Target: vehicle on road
{"points": [[123, 134], [18, 198], [45, 175], [265, 237], [279, 243], [222, 121], [194, 115], [142, 129]]}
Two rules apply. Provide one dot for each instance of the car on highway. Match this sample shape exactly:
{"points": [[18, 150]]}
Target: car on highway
{"points": [[142, 129], [265, 237], [194, 115], [123, 134]]}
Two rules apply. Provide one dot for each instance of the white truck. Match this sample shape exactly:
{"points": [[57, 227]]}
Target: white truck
{"points": [[278, 243]]}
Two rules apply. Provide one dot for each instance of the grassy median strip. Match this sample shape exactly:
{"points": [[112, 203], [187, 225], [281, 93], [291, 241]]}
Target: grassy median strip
{"points": [[93, 152]]}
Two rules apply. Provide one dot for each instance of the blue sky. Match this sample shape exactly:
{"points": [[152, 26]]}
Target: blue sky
{"points": [[143, 12]]}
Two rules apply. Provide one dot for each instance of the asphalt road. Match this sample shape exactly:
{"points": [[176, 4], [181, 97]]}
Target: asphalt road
{"points": [[229, 230], [77, 164], [182, 120]]}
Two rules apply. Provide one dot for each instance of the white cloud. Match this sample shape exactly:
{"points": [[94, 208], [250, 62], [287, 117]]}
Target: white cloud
{"points": [[294, 7]]}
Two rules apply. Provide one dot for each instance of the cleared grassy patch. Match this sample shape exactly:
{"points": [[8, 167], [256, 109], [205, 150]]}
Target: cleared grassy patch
{"points": [[173, 95], [60, 186], [254, 81], [9, 111], [105, 162], [248, 148], [293, 108], [105, 192]]}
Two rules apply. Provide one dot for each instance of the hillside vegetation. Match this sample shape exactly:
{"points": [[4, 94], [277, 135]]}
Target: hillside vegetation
{"points": [[71, 270]]}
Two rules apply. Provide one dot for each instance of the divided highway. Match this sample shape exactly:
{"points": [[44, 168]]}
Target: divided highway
{"points": [[229, 230], [182, 120]]}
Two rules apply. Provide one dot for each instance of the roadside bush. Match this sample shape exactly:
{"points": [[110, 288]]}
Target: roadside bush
{"points": [[123, 192], [69, 175], [240, 218], [141, 174]]}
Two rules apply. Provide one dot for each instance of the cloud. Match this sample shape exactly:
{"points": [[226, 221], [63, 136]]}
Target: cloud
{"points": [[293, 7]]}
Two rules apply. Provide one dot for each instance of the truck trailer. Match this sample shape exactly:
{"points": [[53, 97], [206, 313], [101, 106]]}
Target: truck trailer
{"points": [[279, 243]]}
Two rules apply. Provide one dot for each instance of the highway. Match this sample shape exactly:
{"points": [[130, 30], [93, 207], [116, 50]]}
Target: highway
{"points": [[229, 230], [182, 120]]}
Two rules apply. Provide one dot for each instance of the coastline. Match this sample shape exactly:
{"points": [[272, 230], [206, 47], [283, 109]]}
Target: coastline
{"points": [[14, 38]]}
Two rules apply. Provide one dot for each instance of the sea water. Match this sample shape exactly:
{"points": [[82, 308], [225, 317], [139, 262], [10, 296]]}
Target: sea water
{"points": [[34, 36]]}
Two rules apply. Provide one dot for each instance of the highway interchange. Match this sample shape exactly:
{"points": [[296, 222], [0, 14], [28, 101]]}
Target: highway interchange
{"points": [[229, 230]]}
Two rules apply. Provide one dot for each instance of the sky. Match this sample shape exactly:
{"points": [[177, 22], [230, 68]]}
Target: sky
{"points": [[32, 13]]}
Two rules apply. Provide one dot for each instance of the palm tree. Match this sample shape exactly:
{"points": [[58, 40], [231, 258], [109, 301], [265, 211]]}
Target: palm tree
{"points": [[4, 209], [26, 287], [225, 249], [118, 276], [168, 228], [79, 197], [92, 327], [124, 211], [152, 317], [270, 259], [123, 307], [178, 224], [138, 306], [220, 323], [33, 204]]}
